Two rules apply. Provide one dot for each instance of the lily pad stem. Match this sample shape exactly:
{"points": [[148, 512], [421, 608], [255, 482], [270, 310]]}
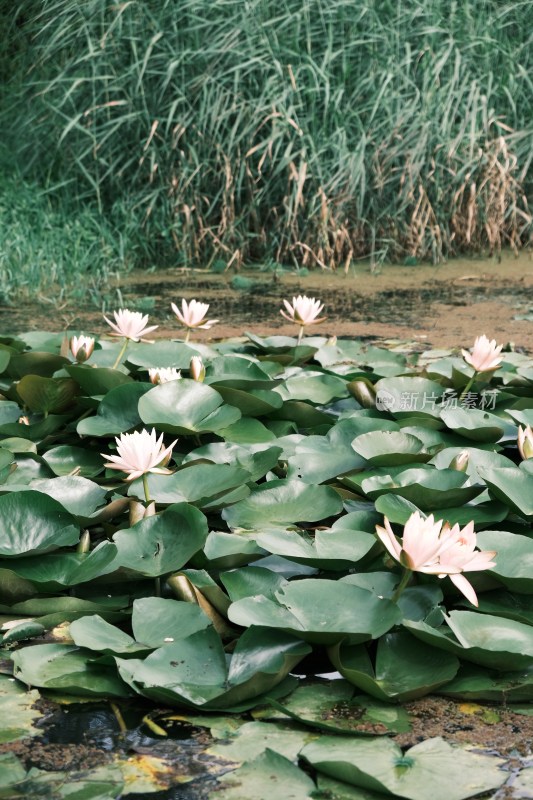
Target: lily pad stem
{"points": [[406, 577], [121, 354], [467, 387], [146, 489]]}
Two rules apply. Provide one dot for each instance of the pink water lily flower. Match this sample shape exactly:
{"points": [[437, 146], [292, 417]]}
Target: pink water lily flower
{"points": [[130, 325], [485, 355], [140, 452], [193, 315], [81, 347], [525, 442], [421, 543], [435, 548], [461, 553], [163, 374]]}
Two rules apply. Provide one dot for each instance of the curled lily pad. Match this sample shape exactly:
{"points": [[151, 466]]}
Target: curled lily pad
{"points": [[31, 522], [163, 543], [404, 669], [282, 502], [389, 448], [485, 639], [319, 611], [117, 412], [427, 488], [195, 671], [185, 407], [422, 771], [328, 549], [66, 668]]}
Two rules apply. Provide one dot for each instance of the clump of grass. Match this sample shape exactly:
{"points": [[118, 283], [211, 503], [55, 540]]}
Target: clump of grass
{"points": [[310, 132], [51, 248]]}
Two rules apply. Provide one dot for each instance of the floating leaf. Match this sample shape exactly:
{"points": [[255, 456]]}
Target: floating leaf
{"points": [[185, 407], [163, 543], [268, 773], [32, 522], [281, 502], [319, 611], [404, 668], [422, 771], [65, 667]]}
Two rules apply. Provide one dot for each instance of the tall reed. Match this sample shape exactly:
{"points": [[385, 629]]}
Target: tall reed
{"points": [[312, 132]]}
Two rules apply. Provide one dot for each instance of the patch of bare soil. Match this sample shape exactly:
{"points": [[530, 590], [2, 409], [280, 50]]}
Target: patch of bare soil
{"points": [[439, 306], [488, 727]]}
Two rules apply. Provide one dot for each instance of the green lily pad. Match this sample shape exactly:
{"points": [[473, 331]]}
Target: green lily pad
{"points": [[408, 396], [329, 549], [117, 413], [319, 611], [66, 668], [404, 669], [54, 571], [474, 424], [485, 639], [428, 489], [257, 460], [384, 448], [185, 407], [163, 543], [512, 486], [514, 558], [31, 522], [97, 381], [473, 682], [195, 671], [198, 484], [66, 459], [269, 772], [251, 739], [45, 395], [314, 388], [279, 502], [335, 706], [422, 771], [226, 550]]}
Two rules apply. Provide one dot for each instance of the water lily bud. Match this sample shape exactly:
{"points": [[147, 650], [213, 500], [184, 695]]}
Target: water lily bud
{"points": [[363, 391], [460, 462], [197, 369], [81, 347], [23, 420], [163, 374], [525, 442], [84, 545]]}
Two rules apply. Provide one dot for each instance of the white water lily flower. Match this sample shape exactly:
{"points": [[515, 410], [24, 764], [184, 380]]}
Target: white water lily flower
{"points": [[130, 325], [485, 355], [163, 374], [140, 452], [303, 311], [81, 347], [193, 315]]}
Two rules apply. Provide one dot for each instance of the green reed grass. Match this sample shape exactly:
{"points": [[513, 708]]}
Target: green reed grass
{"points": [[311, 132]]}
